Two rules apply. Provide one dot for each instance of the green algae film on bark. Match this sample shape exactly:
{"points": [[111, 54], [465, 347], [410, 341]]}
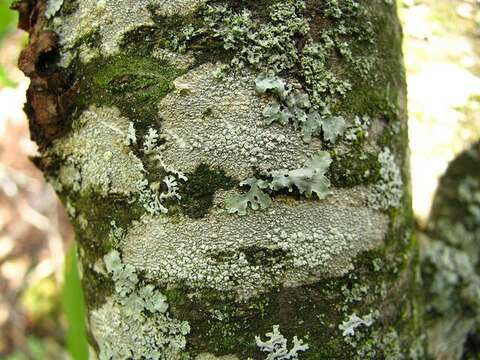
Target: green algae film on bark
{"points": [[169, 124]]}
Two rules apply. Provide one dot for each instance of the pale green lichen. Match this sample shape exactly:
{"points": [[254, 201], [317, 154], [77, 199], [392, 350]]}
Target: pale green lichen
{"points": [[153, 199], [255, 197], [451, 267], [348, 326], [358, 129], [455, 277], [389, 346], [292, 105], [469, 194], [150, 141], [379, 343], [131, 138], [53, 6], [333, 127], [325, 86], [276, 346], [388, 191], [308, 180], [134, 323], [267, 45]]}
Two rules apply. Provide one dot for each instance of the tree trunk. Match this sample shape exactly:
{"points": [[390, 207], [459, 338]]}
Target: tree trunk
{"points": [[236, 173], [451, 262]]}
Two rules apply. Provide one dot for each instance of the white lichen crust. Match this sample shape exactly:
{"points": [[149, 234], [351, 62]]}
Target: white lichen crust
{"points": [[209, 356], [219, 122], [97, 148], [290, 244], [176, 7], [97, 156], [114, 18], [388, 191]]}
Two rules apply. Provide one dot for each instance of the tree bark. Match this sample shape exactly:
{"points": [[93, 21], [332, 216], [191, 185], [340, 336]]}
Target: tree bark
{"points": [[236, 173], [450, 261]]}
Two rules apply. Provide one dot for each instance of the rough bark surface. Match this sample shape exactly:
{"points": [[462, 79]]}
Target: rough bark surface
{"points": [[236, 172]]}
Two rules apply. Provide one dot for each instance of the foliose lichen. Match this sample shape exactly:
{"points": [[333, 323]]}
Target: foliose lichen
{"points": [[348, 327], [135, 323], [269, 44], [451, 264], [276, 346], [292, 105], [308, 180]]}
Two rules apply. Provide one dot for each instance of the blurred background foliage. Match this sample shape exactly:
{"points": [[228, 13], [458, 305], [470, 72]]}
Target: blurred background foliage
{"points": [[8, 20], [42, 313]]}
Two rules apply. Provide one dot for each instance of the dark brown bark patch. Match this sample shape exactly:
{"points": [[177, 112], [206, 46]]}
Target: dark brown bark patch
{"points": [[51, 94]]}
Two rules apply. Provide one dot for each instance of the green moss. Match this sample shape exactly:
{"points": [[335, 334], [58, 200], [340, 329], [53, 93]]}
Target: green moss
{"points": [[369, 101], [354, 168], [97, 287], [95, 240], [101, 211], [171, 33], [197, 193], [134, 84]]}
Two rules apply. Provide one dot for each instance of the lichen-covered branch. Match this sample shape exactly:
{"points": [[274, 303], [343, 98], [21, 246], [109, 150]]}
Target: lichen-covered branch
{"points": [[231, 167]]}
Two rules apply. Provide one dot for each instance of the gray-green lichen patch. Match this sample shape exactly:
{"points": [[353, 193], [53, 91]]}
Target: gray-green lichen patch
{"points": [[446, 339], [276, 346], [293, 105], [291, 243], [268, 44], [388, 191], [52, 7], [114, 18], [134, 323], [175, 7], [209, 356], [218, 122], [96, 156], [308, 180]]}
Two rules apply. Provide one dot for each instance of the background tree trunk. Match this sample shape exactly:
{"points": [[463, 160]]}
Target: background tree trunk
{"points": [[450, 261], [236, 172]]}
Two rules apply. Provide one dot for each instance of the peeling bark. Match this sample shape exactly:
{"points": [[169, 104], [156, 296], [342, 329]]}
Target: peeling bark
{"points": [[51, 93]]}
